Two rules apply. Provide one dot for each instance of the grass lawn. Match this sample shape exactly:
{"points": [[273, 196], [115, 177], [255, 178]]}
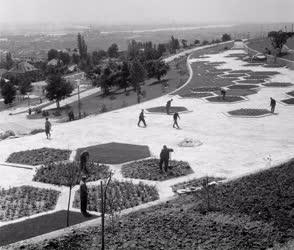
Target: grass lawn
{"points": [[115, 153], [278, 84], [249, 112], [162, 109], [39, 156], [120, 195], [37, 226], [253, 212], [196, 95], [289, 101], [228, 99], [149, 170]]}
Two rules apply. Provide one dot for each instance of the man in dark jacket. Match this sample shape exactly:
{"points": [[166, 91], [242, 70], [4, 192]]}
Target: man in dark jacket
{"points": [[47, 128], [168, 105], [273, 105], [84, 197], [142, 118], [84, 157], [176, 116], [164, 158]]}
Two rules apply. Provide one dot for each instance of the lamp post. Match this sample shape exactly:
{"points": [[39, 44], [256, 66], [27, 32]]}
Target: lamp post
{"points": [[79, 100]]}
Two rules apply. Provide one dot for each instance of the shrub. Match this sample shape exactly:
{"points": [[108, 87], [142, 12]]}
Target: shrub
{"points": [[103, 108], [37, 131]]}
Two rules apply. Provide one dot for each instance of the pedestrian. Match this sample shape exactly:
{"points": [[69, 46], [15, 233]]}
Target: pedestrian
{"points": [[41, 100], [48, 128], [223, 93], [176, 116], [168, 105], [84, 157], [164, 158], [142, 119], [30, 111], [84, 196], [273, 104]]}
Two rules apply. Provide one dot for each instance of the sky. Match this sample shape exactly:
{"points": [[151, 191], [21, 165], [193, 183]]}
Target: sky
{"points": [[145, 11]]}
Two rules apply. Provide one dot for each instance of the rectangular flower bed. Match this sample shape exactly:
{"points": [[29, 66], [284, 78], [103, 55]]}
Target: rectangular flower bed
{"points": [[120, 195], [249, 112], [278, 84], [243, 86], [39, 156], [196, 95], [289, 101], [162, 109], [228, 99], [23, 201]]}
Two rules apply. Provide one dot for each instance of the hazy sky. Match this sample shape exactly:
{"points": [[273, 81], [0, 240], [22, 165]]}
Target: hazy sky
{"points": [[146, 11]]}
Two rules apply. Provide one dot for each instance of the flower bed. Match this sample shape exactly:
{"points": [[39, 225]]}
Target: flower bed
{"points": [[253, 64], [238, 92], [162, 109], [23, 201], [196, 95], [251, 81], [291, 93], [249, 112], [278, 84], [244, 71], [243, 86], [235, 75], [228, 99], [120, 195], [39, 156], [149, 170], [59, 173], [257, 77], [289, 101], [206, 89], [264, 73]]}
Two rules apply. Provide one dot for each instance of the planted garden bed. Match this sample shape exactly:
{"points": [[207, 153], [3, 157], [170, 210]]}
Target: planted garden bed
{"points": [[243, 86], [228, 99], [206, 89], [149, 170], [278, 84], [238, 92], [115, 153], [120, 195], [24, 201], [264, 73], [257, 77], [59, 173], [196, 95], [235, 75], [251, 81], [39, 156], [253, 64], [249, 112], [162, 109], [244, 71], [289, 101], [291, 93]]}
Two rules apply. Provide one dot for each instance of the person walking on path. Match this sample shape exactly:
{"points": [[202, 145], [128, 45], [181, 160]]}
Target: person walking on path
{"points": [[142, 119], [48, 128], [223, 93], [84, 197], [84, 157], [168, 105], [164, 158], [273, 104], [176, 116]]}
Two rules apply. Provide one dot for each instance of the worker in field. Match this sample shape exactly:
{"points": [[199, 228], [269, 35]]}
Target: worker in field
{"points": [[273, 104], [142, 118], [48, 128], [164, 158], [168, 105], [176, 116]]}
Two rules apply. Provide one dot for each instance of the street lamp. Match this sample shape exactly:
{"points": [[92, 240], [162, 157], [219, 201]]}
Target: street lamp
{"points": [[79, 100]]}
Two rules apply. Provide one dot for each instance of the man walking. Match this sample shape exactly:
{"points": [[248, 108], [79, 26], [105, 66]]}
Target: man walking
{"points": [[223, 93], [176, 116], [84, 157], [84, 197], [168, 105], [142, 119], [164, 158], [273, 105], [47, 128]]}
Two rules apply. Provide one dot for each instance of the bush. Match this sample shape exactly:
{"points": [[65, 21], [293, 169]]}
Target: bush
{"points": [[112, 97], [37, 131], [6, 134], [103, 108]]}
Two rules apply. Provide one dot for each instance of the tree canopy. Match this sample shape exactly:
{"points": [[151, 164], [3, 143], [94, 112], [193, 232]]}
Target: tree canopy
{"points": [[8, 91], [279, 39]]}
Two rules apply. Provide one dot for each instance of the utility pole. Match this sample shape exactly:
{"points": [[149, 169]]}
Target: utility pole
{"points": [[79, 100]]}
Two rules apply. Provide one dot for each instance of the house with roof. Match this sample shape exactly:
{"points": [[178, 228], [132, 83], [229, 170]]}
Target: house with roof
{"points": [[22, 68]]}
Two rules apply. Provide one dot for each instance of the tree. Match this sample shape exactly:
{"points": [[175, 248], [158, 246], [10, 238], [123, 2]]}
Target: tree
{"points": [[157, 69], [25, 86], [196, 42], [184, 43], [105, 80], [58, 88], [226, 37], [205, 42], [52, 54], [8, 91], [8, 61], [113, 50], [137, 74], [124, 79], [161, 49], [133, 50], [279, 39], [174, 44], [82, 47], [75, 58], [64, 57]]}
